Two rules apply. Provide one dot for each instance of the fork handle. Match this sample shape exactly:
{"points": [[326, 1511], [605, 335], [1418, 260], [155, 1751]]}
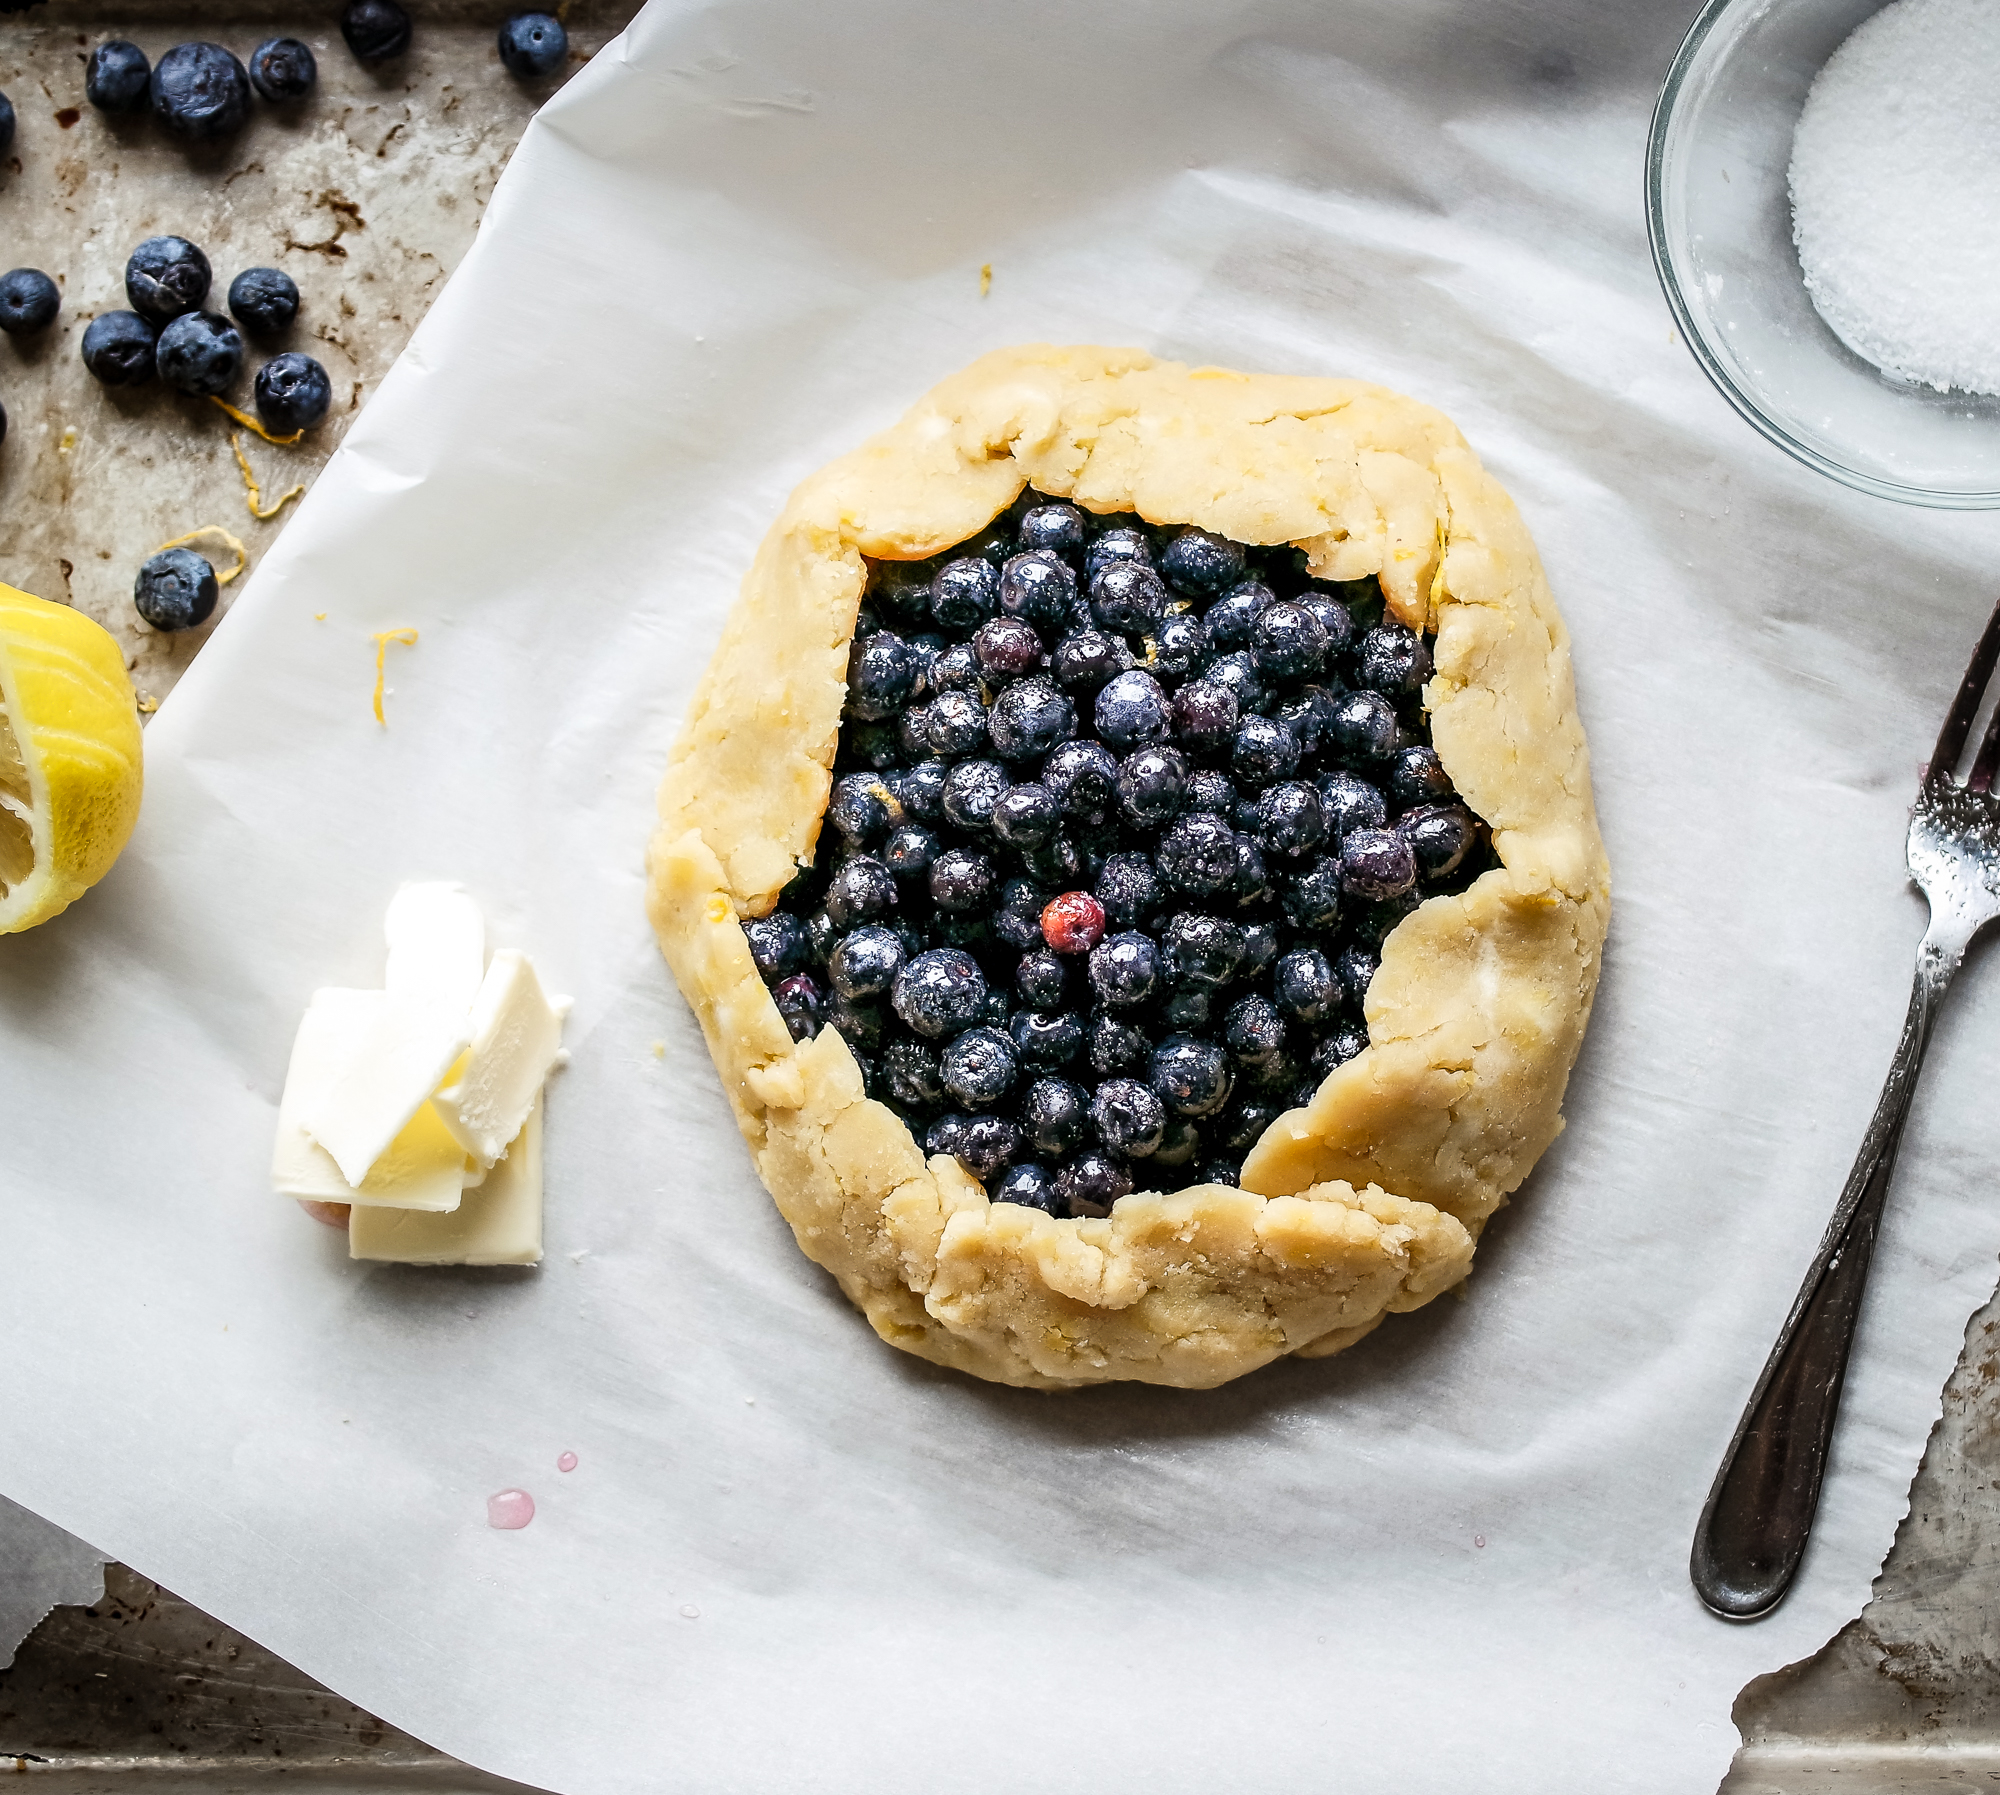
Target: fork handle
{"points": [[1753, 1529]]}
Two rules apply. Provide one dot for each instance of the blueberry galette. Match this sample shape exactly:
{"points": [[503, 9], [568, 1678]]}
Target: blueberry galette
{"points": [[1132, 857]]}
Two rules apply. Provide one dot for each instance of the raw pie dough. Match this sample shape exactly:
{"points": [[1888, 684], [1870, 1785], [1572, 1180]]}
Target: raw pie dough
{"points": [[1368, 1200]]}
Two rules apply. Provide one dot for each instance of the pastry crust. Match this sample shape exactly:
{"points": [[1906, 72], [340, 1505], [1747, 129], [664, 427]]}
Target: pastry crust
{"points": [[1368, 1200]]}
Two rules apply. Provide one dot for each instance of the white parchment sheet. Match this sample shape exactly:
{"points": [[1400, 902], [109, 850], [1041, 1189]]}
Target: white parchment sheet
{"points": [[789, 1557]]}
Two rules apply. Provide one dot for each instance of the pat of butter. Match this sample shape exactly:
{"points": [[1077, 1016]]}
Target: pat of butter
{"points": [[500, 1223], [516, 1034], [390, 1057], [437, 944], [424, 1167]]}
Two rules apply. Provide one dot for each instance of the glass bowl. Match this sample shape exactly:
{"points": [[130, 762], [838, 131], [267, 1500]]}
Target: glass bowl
{"points": [[1720, 221]]}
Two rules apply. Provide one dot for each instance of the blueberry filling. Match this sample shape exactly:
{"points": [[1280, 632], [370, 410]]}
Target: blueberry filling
{"points": [[1121, 815]]}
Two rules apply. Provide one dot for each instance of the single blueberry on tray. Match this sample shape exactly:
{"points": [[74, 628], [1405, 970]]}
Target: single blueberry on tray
{"points": [[29, 301], [200, 92], [6, 124], [117, 77], [282, 68], [166, 276], [118, 348], [533, 45], [264, 301], [375, 30], [199, 353], [175, 590], [293, 393]]}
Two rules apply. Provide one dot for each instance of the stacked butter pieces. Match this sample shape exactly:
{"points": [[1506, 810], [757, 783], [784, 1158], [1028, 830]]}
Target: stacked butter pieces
{"points": [[420, 1105]]}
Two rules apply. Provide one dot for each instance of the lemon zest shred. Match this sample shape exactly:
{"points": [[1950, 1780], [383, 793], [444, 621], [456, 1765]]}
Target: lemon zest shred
{"points": [[254, 497], [985, 279], [319, 617], [242, 554], [408, 638], [250, 423]]}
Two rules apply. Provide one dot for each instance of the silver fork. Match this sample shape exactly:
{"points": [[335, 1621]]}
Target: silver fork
{"points": [[1753, 1529]]}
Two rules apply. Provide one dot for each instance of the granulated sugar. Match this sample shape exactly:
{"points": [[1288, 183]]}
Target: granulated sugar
{"points": [[1895, 183]]}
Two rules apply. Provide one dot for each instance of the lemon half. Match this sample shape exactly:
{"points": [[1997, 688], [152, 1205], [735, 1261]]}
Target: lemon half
{"points": [[69, 757]]}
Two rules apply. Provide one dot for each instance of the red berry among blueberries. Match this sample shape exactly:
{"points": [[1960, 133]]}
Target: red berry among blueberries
{"points": [[29, 301], [118, 77], [1114, 837]]}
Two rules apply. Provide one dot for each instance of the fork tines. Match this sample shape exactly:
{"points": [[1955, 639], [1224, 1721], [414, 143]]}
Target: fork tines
{"points": [[1958, 720]]}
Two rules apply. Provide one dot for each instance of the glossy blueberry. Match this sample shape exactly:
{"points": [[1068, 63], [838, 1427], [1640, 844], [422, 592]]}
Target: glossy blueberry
{"points": [[1198, 563], [1190, 1075], [1128, 888], [986, 1144], [1244, 1126], [956, 669], [1312, 898], [1351, 803], [118, 77], [965, 593], [1354, 965], [972, 789], [1264, 749], [1127, 597], [860, 1023], [1360, 727], [861, 890], [1334, 617], [802, 1004], [1440, 836], [29, 301], [1150, 783], [1058, 862], [1231, 622], [1131, 711], [913, 731], [911, 1069], [1239, 674], [961, 881], [264, 301], [1039, 588], [1201, 949], [957, 725], [200, 92], [1026, 816], [1089, 1184], [866, 962], [1222, 1171], [1083, 776], [292, 392], [1345, 1044], [1210, 790], [1291, 820], [777, 945], [1377, 863], [1126, 969], [533, 46], [1180, 1142], [1046, 1038], [1254, 1031], [375, 30], [1204, 716], [1053, 1114], [1288, 642], [1117, 544], [821, 937], [1006, 648], [282, 68], [1252, 884], [1416, 776], [176, 589], [946, 1134], [979, 1067], [1304, 714], [199, 353], [1029, 719], [1303, 985], [881, 675], [1057, 528], [1114, 1045], [1030, 1185], [1393, 659], [921, 790], [1084, 660], [166, 276], [1127, 1117], [1185, 1012], [1042, 979], [1197, 855], [862, 808], [1260, 948], [940, 992]]}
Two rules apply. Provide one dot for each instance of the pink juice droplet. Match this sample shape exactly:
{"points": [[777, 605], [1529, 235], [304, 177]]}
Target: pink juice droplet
{"points": [[567, 1462], [1479, 1539], [510, 1510]]}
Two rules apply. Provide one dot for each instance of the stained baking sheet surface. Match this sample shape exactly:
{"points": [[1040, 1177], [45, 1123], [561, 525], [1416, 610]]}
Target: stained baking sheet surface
{"points": [[744, 237]]}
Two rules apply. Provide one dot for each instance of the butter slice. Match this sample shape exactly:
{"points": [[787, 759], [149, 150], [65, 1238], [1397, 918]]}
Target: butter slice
{"points": [[516, 1035], [424, 1167], [388, 1060], [437, 944], [500, 1223]]}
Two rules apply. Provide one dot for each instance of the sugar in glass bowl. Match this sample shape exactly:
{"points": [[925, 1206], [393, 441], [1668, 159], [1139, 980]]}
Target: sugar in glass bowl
{"points": [[1719, 216]]}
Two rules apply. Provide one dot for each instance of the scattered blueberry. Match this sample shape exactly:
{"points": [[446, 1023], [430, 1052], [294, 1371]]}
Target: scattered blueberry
{"points": [[166, 276], [264, 301], [1029, 718], [1127, 597], [1131, 711], [533, 45], [1057, 528], [175, 590], [1083, 779], [1377, 863], [1038, 587], [1028, 1184], [881, 676], [802, 1005], [117, 77], [777, 945], [1191, 1075], [282, 68], [1440, 836], [200, 92], [29, 301], [1006, 648], [861, 890], [199, 353], [978, 1067], [1026, 816], [293, 393], [1394, 659], [965, 593], [866, 962], [118, 349], [940, 992], [6, 124], [375, 30], [1199, 563], [972, 792]]}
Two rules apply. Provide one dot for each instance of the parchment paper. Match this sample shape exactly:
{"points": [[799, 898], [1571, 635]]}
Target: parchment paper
{"points": [[790, 1557]]}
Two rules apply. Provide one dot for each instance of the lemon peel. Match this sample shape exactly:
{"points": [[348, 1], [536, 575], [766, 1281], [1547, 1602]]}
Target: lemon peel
{"points": [[408, 638], [250, 423], [985, 279], [254, 496], [235, 543], [71, 771]]}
